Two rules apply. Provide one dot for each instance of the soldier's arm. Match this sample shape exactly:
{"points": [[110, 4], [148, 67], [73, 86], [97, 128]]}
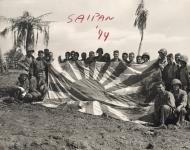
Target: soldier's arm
{"points": [[33, 85], [156, 104], [188, 79], [27, 86], [22, 62], [183, 101], [171, 101], [164, 74]]}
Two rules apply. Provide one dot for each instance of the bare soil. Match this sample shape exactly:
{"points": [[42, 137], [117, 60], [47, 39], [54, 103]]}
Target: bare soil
{"points": [[34, 127]]}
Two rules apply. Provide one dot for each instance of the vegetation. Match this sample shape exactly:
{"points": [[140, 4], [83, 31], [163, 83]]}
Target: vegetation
{"points": [[140, 21], [26, 29]]}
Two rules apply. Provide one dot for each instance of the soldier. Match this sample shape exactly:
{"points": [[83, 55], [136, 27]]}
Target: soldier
{"points": [[40, 73], [72, 56], [27, 88], [40, 67], [48, 59], [188, 106], [162, 61], [131, 58], [76, 56], [46, 54], [67, 56], [83, 56], [60, 59], [115, 56], [91, 58], [23, 86], [169, 72], [100, 55], [139, 59], [177, 59], [27, 62], [145, 57], [164, 105], [51, 59], [125, 58], [180, 101], [183, 74], [106, 57], [33, 94]]}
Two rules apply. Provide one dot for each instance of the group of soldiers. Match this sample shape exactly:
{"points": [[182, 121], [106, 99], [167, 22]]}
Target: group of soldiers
{"points": [[173, 91], [128, 59], [32, 84], [171, 104]]}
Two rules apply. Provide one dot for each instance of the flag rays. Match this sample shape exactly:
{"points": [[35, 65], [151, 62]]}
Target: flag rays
{"points": [[114, 76], [112, 87]]}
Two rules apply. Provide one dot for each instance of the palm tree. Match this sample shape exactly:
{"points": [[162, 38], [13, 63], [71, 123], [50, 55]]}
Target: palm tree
{"points": [[140, 21], [26, 28]]}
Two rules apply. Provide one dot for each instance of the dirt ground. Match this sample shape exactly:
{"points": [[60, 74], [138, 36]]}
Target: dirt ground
{"points": [[34, 127]]}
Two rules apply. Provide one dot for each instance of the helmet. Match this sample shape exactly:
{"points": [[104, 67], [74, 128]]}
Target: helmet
{"points": [[24, 73], [138, 56], [146, 54], [178, 54], [184, 58], [176, 81], [163, 51]]}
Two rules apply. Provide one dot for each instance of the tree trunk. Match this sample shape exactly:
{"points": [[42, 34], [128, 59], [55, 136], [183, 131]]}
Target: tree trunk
{"points": [[30, 40], [140, 44]]}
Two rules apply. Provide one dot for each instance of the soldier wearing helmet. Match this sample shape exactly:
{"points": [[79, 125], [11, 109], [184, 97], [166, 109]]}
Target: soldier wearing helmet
{"points": [[180, 101], [162, 61], [145, 57], [169, 72], [183, 74], [40, 74], [164, 105], [27, 61]]}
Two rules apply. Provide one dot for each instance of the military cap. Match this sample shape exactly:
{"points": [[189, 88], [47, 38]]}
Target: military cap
{"points": [[146, 54], [163, 51], [176, 82]]}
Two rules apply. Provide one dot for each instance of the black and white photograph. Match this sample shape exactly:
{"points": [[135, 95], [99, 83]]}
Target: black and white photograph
{"points": [[94, 75]]}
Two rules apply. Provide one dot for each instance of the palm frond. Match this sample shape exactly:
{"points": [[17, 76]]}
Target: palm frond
{"points": [[4, 32], [141, 19], [46, 36], [46, 14], [140, 7], [37, 37]]}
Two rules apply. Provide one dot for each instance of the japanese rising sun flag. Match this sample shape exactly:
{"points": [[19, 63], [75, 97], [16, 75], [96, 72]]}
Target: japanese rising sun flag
{"points": [[110, 88]]}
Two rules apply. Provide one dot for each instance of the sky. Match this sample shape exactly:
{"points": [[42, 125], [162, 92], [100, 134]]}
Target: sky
{"points": [[168, 25]]}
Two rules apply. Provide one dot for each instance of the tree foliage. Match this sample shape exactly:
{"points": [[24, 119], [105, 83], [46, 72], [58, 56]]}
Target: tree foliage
{"points": [[26, 28], [140, 21]]}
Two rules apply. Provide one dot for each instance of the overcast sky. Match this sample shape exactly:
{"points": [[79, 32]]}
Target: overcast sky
{"points": [[168, 24]]}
